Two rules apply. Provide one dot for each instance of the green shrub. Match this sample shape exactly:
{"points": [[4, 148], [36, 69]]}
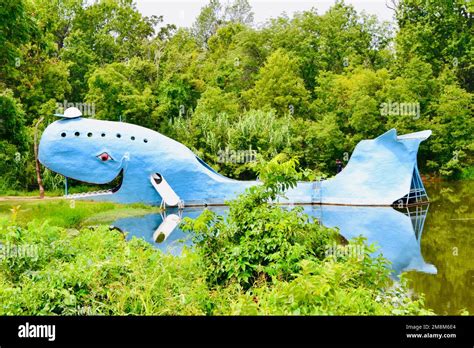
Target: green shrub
{"points": [[94, 272], [271, 260], [332, 288]]}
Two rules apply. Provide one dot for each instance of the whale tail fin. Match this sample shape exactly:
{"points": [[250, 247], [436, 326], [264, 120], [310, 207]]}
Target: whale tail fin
{"points": [[381, 171]]}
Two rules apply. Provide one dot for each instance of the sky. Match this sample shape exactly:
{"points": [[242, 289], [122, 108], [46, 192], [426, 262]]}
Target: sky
{"points": [[183, 13]]}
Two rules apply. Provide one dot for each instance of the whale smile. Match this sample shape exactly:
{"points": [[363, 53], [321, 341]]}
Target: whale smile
{"points": [[115, 182]]}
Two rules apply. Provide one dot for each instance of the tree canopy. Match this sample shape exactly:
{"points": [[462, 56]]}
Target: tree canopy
{"points": [[311, 85]]}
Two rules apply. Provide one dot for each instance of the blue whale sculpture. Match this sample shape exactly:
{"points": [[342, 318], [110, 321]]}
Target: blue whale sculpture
{"points": [[155, 168]]}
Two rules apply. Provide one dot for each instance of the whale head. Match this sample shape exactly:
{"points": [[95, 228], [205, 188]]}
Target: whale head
{"points": [[89, 150]]}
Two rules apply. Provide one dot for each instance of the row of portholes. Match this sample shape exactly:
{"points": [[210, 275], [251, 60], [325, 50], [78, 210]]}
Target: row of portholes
{"points": [[118, 135]]}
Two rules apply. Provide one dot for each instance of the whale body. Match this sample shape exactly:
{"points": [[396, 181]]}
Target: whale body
{"points": [[381, 171]]}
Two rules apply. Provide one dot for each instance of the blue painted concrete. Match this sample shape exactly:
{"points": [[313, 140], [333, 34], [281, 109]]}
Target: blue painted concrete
{"points": [[95, 151]]}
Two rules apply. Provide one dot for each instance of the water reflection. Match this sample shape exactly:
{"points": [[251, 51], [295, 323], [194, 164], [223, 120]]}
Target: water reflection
{"points": [[397, 233], [162, 230], [448, 243]]}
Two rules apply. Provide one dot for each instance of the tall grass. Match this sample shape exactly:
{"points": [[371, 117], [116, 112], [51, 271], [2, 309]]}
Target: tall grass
{"points": [[71, 213]]}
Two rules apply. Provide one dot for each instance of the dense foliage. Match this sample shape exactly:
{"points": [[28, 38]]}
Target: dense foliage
{"points": [[312, 85], [263, 259]]}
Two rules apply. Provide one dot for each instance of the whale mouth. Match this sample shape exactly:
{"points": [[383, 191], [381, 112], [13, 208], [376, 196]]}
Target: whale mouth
{"points": [[114, 185]]}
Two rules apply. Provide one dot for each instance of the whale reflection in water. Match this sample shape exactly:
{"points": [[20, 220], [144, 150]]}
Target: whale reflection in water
{"points": [[397, 233]]}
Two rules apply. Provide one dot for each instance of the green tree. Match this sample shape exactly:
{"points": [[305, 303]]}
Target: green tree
{"points": [[230, 63], [279, 86], [108, 87], [12, 120], [16, 28], [179, 86], [207, 22], [239, 11], [105, 32], [452, 145], [14, 143], [440, 33], [214, 14], [214, 101], [338, 39]]}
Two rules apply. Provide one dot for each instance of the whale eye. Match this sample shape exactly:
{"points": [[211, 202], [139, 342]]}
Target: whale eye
{"points": [[104, 157]]}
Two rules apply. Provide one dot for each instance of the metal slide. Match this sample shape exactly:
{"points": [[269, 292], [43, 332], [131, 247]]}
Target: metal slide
{"points": [[169, 197]]}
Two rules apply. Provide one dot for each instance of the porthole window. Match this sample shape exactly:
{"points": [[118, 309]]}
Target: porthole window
{"points": [[89, 134], [133, 138], [77, 134], [63, 134], [102, 135], [145, 140], [118, 135]]}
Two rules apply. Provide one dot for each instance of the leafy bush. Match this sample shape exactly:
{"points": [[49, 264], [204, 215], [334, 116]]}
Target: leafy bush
{"points": [[276, 261], [94, 272], [330, 287], [259, 241]]}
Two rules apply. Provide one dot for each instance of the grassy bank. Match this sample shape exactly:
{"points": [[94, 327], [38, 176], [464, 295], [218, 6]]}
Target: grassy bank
{"points": [[70, 213]]}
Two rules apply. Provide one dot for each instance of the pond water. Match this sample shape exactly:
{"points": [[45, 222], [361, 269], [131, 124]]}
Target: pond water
{"points": [[432, 244]]}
